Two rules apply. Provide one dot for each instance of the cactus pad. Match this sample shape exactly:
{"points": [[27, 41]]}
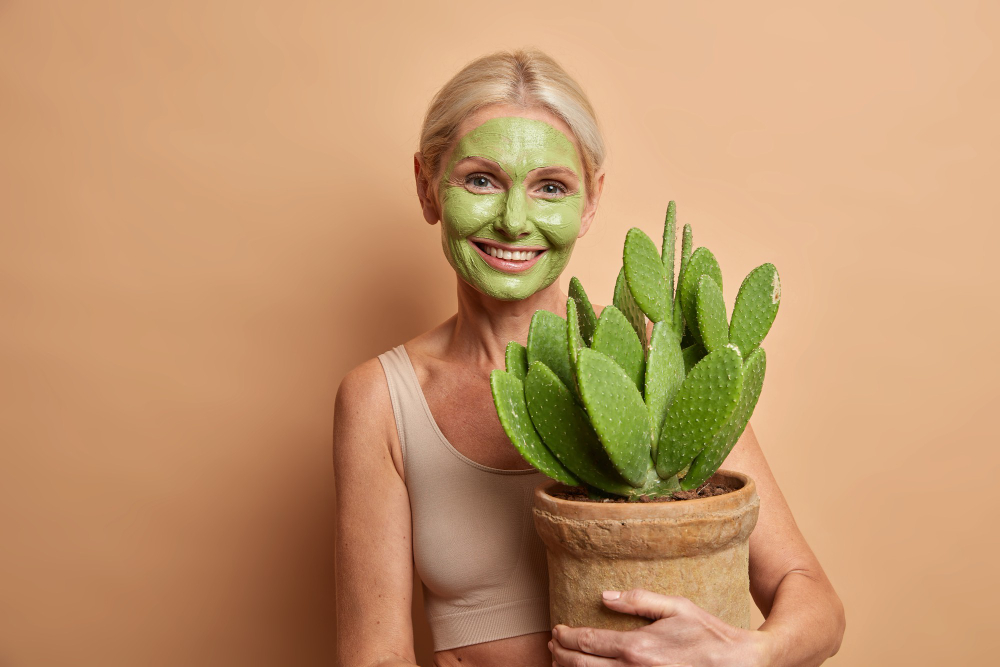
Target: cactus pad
{"points": [[617, 413], [646, 276], [710, 458], [547, 343], [711, 312], [678, 320], [574, 339], [756, 305], [508, 397], [566, 431], [669, 247], [702, 263], [624, 302], [687, 240], [687, 245], [584, 309], [616, 338], [516, 360], [692, 354], [704, 402], [664, 375]]}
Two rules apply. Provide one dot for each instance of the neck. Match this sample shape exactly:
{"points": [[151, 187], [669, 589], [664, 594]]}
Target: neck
{"points": [[484, 325]]}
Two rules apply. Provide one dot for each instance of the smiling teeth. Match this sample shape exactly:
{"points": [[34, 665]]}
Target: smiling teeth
{"points": [[517, 255]]}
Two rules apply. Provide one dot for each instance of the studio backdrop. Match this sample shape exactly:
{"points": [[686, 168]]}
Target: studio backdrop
{"points": [[208, 217]]}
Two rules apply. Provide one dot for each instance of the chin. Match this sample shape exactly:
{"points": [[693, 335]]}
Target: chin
{"points": [[506, 296], [513, 292]]}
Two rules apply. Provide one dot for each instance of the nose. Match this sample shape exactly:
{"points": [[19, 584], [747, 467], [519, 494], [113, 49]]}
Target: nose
{"points": [[513, 220]]}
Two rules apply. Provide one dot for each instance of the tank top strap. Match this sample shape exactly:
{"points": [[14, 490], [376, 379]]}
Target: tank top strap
{"points": [[407, 399]]}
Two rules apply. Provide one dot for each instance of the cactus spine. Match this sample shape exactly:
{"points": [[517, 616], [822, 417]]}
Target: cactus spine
{"points": [[589, 402]]}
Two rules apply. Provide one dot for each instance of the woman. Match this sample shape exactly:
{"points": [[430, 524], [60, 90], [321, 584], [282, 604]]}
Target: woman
{"points": [[510, 166]]}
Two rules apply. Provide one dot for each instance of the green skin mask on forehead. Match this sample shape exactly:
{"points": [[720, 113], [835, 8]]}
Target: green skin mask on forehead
{"points": [[527, 213]]}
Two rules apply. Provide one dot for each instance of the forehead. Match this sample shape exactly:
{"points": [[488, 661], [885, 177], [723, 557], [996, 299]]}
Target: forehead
{"points": [[517, 141]]}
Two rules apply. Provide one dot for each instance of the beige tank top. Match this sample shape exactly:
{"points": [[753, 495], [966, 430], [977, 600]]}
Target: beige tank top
{"points": [[475, 548]]}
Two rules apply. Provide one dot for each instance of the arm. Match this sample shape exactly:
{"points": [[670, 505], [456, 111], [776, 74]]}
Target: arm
{"points": [[374, 556], [805, 618]]}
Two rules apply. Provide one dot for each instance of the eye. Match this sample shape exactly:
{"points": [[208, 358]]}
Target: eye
{"points": [[553, 189], [479, 181]]}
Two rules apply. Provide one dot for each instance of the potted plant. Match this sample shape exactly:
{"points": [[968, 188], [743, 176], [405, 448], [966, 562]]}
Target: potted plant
{"points": [[620, 425]]}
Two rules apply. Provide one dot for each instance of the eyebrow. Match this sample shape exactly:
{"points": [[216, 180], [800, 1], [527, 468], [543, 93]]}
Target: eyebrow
{"points": [[555, 169], [486, 160], [548, 169]]}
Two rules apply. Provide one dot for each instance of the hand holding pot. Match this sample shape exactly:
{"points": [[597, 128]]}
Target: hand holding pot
{"points": [[682, 634]]}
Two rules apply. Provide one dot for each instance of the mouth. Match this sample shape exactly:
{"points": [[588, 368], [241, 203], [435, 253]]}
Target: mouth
{"points": [[507, 258]]}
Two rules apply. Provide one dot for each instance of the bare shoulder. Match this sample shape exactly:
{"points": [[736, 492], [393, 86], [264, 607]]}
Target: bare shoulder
{"points": [[363, 396], [364, 427], [363, 424], [364, 385]]}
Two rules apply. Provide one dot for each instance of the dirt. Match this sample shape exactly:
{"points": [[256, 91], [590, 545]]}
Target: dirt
{"points": [[706, 490]]}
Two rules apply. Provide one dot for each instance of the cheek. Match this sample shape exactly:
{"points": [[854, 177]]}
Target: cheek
{"points": [[560, 221], [464, 213]]}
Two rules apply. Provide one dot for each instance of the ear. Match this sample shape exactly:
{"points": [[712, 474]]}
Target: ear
{"points": [[590, 208], [428, 202]]}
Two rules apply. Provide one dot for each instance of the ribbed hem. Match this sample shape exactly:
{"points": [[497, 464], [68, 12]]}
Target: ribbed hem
{"points": [[510, 619]]}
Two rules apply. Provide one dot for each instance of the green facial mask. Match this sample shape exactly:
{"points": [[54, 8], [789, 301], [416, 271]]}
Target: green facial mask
{"points": [[517, 208]]}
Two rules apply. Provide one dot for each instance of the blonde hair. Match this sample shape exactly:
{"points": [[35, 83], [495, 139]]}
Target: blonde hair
{"points": [[524, 77]]}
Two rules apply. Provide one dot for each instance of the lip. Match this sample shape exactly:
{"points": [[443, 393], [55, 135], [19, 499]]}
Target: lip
{"points": [[505, 246], [507, 265]]}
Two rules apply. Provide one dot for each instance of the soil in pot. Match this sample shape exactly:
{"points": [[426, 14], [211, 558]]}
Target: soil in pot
{"points": [[706, 490]]}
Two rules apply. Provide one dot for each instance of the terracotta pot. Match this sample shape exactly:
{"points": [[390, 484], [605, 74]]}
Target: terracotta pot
{"points": [[696, 548]]}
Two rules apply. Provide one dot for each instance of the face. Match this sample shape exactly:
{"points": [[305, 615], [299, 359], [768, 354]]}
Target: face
{"points": [[512, 201]]}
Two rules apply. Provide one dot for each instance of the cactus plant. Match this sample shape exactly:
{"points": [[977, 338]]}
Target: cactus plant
{"points": [[591, 403]]}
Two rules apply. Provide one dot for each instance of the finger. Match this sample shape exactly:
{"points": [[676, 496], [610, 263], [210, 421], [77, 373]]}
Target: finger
{"points": [[608, 643], [641, 602], [566, 657]]}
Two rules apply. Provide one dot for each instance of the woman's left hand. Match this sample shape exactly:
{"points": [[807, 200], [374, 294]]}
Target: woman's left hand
{"points": [[682, 634]]}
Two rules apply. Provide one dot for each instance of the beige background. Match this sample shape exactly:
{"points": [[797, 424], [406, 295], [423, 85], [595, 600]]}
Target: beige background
{"points": [[207, 218]]}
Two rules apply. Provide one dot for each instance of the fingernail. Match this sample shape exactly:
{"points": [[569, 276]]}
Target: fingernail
{"points": [[612, 595]]}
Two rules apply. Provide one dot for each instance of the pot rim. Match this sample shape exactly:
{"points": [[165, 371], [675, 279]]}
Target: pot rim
{"points": [[725, 503]]}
